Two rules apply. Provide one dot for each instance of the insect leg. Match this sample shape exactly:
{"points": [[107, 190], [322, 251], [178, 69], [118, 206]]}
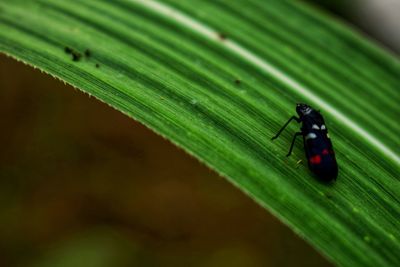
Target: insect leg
{"points": [[284, 126], [294, 139]]}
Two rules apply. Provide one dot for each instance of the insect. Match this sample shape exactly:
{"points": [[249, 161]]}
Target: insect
{"points": [[317, 144]]}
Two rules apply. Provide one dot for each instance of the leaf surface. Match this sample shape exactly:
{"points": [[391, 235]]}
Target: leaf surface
{"points": [[219, 78]]}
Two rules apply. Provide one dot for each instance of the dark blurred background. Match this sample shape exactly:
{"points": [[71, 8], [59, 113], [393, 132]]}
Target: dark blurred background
{"points": [[377, 19], [83, 185]]}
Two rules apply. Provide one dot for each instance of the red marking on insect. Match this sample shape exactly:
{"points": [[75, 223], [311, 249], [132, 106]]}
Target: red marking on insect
{"points": [[315, 159], [325, 152]]}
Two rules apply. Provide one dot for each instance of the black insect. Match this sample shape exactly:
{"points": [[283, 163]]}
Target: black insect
{"points": [[317, 144]]}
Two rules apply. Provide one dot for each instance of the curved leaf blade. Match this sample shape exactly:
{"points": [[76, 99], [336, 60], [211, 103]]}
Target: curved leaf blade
{"points": [[181, 81]]}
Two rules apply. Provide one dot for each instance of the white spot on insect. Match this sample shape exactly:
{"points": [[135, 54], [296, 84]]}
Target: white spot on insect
{"points": [[323, 127], [311, 136], [314, 126], [307, 111]]}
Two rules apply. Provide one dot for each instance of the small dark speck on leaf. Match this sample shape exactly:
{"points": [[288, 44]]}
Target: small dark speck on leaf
{"points": [[97, 65], [68, 50], [329, 196], [237, 81], [76, 56], [222, 36], [88, 53]]}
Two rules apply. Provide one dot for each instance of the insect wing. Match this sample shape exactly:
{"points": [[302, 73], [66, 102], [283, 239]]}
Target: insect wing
{"points": [[321, 158]]}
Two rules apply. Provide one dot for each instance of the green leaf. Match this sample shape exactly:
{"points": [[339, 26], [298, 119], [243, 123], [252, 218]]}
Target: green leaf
{"points": [[219, 78]]}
